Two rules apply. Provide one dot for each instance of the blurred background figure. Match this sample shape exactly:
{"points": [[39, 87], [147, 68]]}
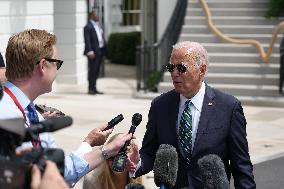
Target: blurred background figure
{"points": [[2, 69], [103, 177], [94, 50]]}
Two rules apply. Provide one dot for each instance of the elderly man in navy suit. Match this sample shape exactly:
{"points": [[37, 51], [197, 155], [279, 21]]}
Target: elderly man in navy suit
{"points": [[197, 120], [94, 50]]}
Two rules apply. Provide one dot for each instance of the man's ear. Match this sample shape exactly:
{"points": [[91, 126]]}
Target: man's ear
{"points": [[203, 69], [40, 66]]}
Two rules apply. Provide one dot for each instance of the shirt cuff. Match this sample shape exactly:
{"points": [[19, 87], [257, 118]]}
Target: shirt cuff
{"points": [[83, 149], [132, 173]]}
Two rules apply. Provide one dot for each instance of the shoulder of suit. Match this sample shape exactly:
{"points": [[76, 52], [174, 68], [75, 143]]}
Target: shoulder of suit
{"points": [[224, 97], [168, 96]]}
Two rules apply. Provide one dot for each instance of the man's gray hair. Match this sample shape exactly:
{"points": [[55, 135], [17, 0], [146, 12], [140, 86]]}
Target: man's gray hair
{"points": [[195, 51]]}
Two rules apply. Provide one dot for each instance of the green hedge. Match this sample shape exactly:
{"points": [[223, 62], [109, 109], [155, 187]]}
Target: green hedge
{"points": [[275, 8], [121, 47]]}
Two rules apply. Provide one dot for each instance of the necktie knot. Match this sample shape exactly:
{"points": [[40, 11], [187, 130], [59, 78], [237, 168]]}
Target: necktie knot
{"points": [[31, 107], [187, 103], [32, 114]]}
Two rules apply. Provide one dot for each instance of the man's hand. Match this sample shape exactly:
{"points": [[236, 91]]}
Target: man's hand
{"points": [[51, 178], [97, 136], [49, 114], [133, 156], [114, 146], [91, 56]]}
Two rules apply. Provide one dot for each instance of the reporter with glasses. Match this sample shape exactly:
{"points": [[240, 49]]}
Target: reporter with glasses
{"points": [[32, 62]]}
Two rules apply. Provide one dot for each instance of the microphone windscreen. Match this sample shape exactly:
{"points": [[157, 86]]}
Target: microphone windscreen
{"points": [[213, 172], [166, 166], [134, 186]]}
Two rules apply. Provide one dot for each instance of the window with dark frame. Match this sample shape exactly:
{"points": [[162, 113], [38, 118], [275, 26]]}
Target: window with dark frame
{"points": [[131, 12]]}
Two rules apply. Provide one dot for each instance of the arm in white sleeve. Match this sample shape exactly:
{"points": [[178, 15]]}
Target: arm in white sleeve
{"points": [[75, 164]]}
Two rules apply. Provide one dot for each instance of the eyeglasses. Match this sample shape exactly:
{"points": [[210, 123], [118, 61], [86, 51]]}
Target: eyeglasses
{"points": [[58, 62], [180, 67]]}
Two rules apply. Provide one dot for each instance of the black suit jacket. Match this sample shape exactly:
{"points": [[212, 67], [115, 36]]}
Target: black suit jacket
{"points": [[221, 131], [91, 40]]}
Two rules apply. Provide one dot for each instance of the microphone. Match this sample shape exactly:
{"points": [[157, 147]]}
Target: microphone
{"points": [[213, 172], [114, 122], [134, 186], [136, 120], [48, 125], [165, 166], [120, 159]]}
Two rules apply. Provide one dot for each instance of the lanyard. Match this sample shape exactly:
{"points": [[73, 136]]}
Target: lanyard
{"points": [[34, 143]]}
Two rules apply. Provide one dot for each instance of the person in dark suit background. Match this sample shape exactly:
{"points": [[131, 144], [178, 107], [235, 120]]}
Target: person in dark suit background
{"points": [[2, 64], [216, 121], [94, 50]]}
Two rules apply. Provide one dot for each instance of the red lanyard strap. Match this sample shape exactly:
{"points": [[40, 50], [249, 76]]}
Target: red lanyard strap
{"points": [[34, 143], [16, 102]]}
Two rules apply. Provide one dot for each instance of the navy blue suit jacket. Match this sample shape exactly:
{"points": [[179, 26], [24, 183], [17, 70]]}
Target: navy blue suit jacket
{"points": [[91, 40], [221, 131]]}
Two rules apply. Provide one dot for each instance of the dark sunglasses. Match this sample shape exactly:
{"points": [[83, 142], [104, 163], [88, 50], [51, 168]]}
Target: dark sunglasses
{"points": [[180, 67], [58, 62]]}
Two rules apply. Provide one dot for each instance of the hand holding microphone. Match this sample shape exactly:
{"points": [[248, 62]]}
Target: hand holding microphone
{"points": [[99, 135], [120, 159]]}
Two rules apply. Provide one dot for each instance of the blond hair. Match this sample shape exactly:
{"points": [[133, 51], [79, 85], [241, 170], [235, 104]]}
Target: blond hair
{"points": [[25, 49]]}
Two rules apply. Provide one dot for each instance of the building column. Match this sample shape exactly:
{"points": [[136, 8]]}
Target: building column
{"points": [[70, 16]]}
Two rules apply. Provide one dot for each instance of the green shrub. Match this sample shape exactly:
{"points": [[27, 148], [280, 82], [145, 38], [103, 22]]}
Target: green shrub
{"points": [[153, 81], [121, 47], [275, 8]]}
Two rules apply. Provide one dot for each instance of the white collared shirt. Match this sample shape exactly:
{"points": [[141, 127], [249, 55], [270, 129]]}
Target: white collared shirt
{"points": [[196, 108], [99, 32]]}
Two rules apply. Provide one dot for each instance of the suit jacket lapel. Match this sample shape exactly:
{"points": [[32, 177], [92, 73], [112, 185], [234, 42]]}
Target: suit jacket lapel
{"points": [[173, 115], [207, 111]]}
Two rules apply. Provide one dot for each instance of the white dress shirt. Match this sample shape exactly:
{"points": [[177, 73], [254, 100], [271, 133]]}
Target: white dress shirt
{"points": [[196, 108], [99, 32], [75, 165]]}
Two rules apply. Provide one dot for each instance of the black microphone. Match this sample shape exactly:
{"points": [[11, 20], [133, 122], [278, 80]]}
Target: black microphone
{"points": [[136, 120], [120, 159], [1, 90], [114, 122], [48, 125], [166, 166], [134, 186], [213, 172]]}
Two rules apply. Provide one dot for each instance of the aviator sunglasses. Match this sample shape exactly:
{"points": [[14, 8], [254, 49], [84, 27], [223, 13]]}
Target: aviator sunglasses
{"points": [[180, 67]]}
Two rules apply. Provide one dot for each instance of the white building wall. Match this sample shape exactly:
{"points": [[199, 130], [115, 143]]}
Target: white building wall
{"points": [[112, 17], [165, 11], [66, 18], [70, 17], [18, 15]]}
